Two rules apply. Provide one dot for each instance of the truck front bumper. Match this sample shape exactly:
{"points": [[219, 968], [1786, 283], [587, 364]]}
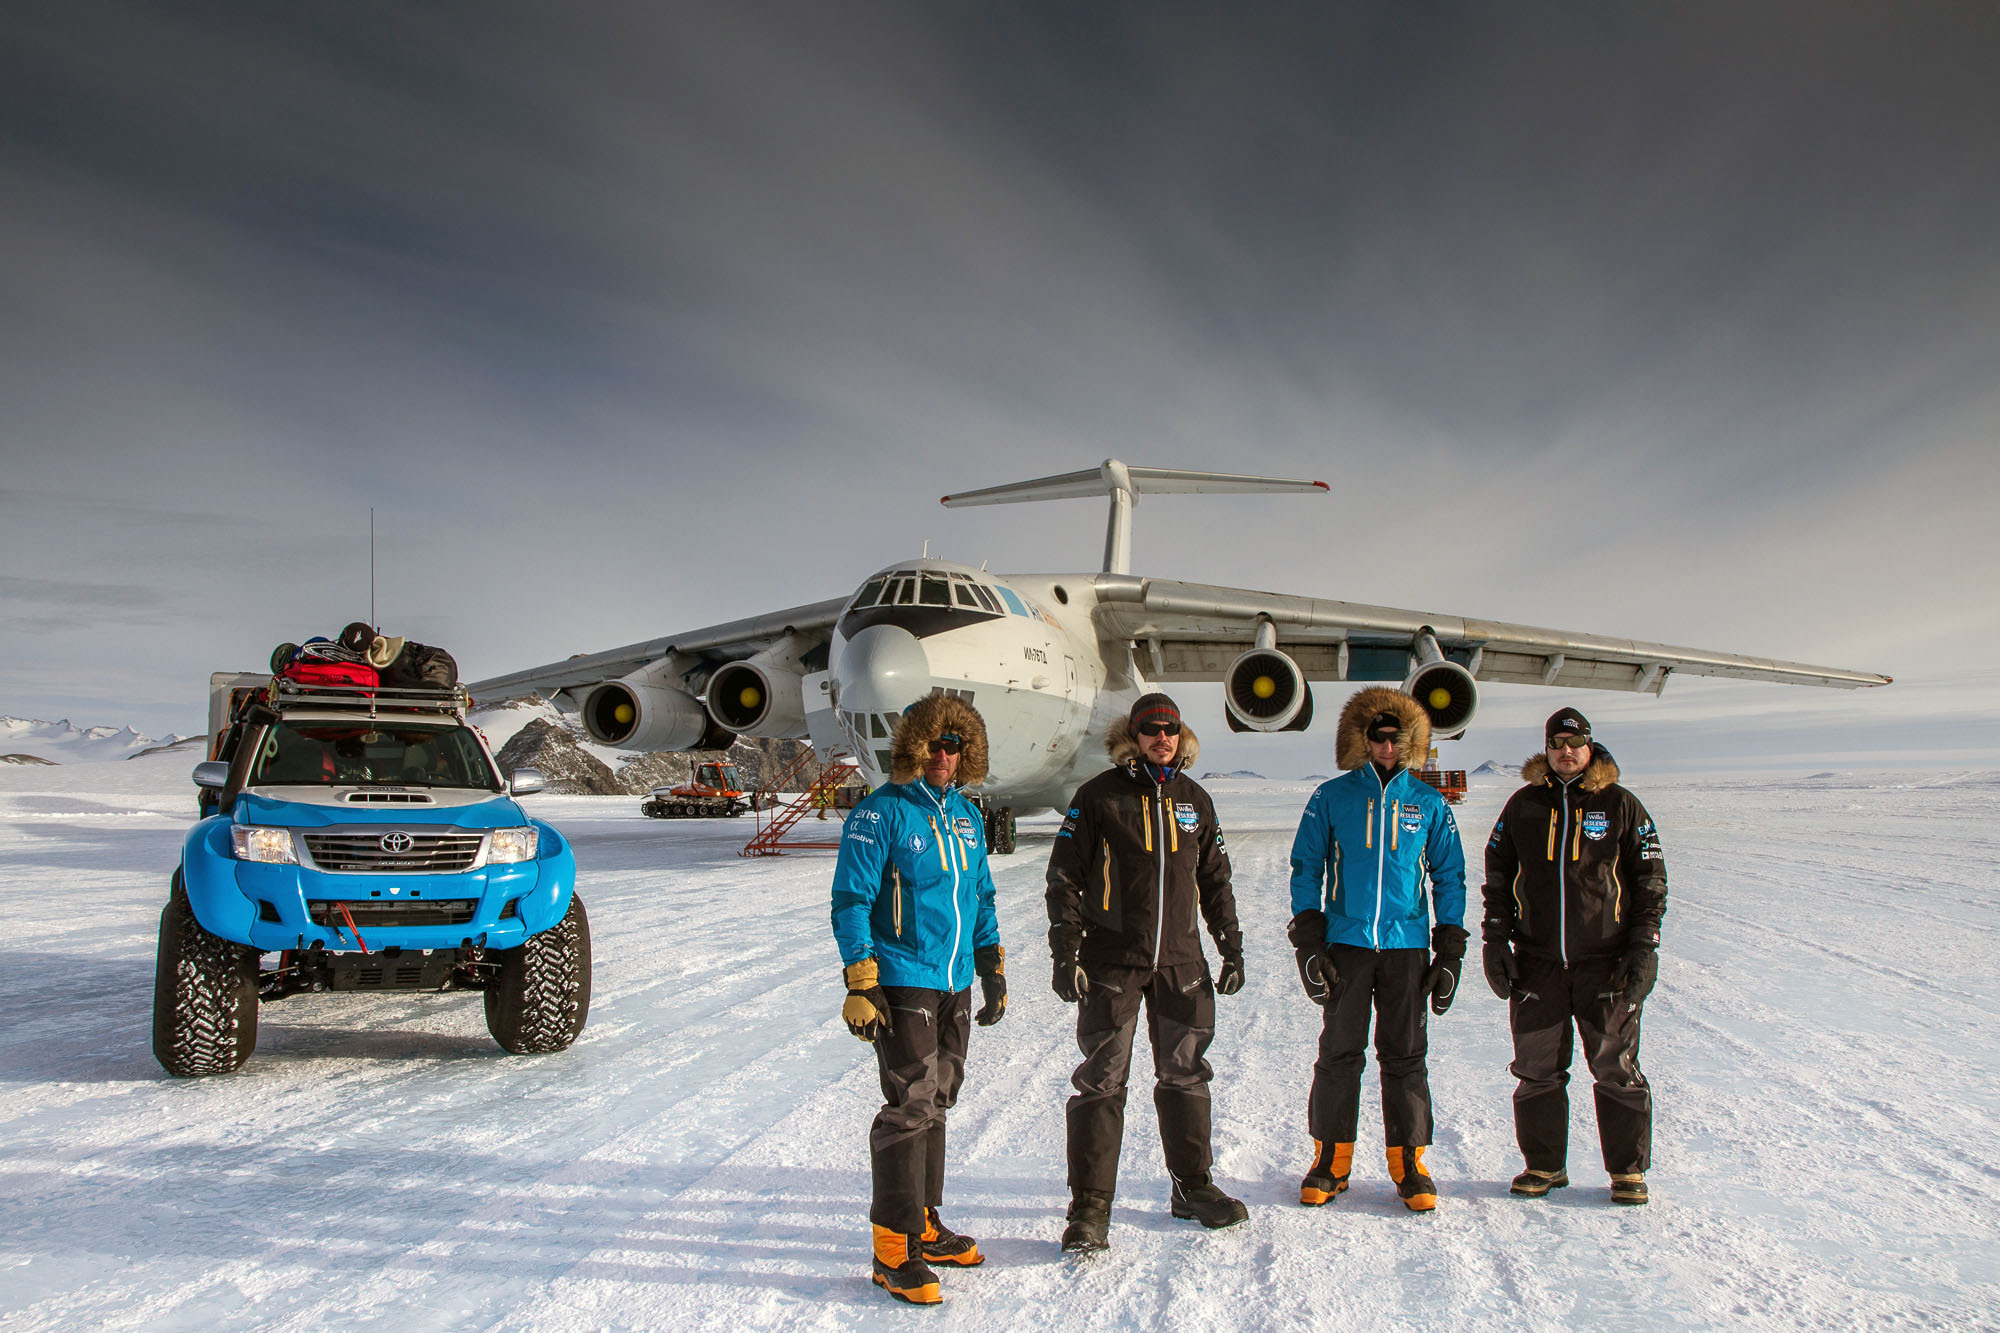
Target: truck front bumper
{"points": [[271, 907]]}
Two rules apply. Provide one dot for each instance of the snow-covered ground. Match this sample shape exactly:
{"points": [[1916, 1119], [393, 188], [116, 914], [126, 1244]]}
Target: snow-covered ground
{"points": [[1823, 1046]]}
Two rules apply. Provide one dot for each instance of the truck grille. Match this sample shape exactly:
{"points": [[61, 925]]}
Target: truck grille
{"points": [[393, 851], [376, 912]]}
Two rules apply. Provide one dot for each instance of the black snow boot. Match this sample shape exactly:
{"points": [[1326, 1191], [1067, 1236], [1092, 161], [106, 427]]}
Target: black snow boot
{"points": [[1533, 1184], [1629, 1188], [1203, 1201], [942, 1245], [1089, 1228]]}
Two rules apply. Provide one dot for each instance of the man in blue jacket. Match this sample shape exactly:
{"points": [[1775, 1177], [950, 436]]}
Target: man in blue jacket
{"points": [[913, 917], [1367, 844]]}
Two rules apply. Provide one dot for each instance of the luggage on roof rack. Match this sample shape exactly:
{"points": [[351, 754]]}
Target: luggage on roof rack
{"points": [[371, 701]]}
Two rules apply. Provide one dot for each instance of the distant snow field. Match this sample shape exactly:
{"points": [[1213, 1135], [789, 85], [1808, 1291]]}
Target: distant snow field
{"points": [[1824, 1045]]}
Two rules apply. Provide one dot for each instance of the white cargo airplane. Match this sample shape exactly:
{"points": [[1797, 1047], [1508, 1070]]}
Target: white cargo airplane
{"points": [[1051, 659]]}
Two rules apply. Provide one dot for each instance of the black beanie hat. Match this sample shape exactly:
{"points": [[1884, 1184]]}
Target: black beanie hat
{"points": [[1383, 726], [1565, 719], [1153, 708]]}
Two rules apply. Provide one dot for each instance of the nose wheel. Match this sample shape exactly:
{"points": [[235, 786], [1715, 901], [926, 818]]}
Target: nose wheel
{"points": [[999, 829]]}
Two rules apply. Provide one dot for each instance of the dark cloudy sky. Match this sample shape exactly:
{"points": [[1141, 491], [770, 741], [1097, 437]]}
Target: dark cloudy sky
{"points": [[1677, 321]]}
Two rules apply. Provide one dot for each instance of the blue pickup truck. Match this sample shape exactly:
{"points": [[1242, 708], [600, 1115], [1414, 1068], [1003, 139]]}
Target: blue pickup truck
{"points": [[362, 840]]}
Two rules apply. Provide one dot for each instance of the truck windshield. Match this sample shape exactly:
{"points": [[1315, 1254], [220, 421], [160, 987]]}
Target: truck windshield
{"points": [[352, 754]]}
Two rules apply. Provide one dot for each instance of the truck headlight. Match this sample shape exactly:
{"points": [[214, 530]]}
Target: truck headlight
{"points": [[260, 842], [507, 845]]}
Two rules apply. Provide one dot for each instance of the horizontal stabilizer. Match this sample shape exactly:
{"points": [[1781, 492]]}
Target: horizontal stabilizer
{"points": [[1114, 475], [1122, 484]]}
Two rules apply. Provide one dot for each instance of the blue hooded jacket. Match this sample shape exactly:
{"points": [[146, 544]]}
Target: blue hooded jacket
{"points": [[1361, 854], [912, 889]]}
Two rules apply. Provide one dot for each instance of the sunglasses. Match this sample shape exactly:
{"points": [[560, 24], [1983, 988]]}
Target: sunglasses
{"points": [[1570, 743], [946, 744], [1160, 729]]}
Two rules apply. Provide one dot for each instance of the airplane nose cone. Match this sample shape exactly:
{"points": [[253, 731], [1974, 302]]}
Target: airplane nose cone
{"points": [[882, 670]]}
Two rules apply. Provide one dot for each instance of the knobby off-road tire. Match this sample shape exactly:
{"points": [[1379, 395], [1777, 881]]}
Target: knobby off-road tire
{"points": [[204, 996], [539, 1000]]}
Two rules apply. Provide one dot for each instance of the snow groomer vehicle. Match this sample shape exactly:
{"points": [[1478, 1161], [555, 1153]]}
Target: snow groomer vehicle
{"points": [[359, 837]]}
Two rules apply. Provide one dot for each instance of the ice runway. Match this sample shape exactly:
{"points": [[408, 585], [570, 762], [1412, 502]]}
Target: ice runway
{"points": [[1824, 1046]]}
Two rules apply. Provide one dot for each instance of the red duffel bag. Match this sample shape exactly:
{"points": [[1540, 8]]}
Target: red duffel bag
{"points": [[332, 673]]}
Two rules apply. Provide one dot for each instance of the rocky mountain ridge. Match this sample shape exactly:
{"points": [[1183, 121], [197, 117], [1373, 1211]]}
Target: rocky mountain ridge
{"points": [[553, 743]]}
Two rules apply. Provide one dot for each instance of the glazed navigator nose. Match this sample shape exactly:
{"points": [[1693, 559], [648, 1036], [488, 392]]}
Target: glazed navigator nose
{"points": [[882, 669]]}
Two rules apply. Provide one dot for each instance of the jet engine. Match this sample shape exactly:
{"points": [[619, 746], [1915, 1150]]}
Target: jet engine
{"points": [[639, 713], [1443, 688], [758, 697], [1264, 690]]}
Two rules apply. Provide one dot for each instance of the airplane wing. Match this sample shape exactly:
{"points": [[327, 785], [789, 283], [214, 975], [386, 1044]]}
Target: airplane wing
{"points": [[717, 643], [1192, 631]]}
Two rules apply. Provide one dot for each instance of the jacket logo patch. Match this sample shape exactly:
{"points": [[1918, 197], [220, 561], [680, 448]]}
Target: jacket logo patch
{"points": [[1412, 817], [964, 827], [1596, 824], [918, 842], [1186, 816]]}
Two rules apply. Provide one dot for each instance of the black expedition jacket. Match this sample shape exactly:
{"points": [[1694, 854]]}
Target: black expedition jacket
{"points": [[1574, 870], [1131, 865]]}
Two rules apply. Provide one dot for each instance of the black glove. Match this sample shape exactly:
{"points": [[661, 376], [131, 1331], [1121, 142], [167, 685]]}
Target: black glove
{"points": [[1316, 971], [866, 1009], [1501, 969], [1637, 970], [1229, 979], [991, 964], [1447, 957], [1070, 982]]}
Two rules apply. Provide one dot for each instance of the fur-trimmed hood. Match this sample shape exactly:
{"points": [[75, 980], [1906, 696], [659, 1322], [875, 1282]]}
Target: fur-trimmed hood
{"points": [[1603, 770], [929, 718], [1350, 745], [1123, 746]]}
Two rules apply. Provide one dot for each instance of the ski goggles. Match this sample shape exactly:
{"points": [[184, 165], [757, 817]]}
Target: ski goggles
{"points": [[1569, 742], [947, 744]]}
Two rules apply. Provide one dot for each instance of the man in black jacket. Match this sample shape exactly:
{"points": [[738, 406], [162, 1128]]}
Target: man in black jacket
{"points": [[1139, 856], [1576, 887]]}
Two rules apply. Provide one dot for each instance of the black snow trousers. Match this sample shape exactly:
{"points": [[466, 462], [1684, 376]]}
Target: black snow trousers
{"points": [[922, 1064], [1389, 984], [1552, 1005], [1180, 1021]]}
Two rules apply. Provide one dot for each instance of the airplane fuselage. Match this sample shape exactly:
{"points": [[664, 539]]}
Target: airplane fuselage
{"points": [[1022, 649]]}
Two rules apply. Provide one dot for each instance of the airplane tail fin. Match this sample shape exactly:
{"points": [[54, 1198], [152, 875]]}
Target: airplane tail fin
{"points": [[1122, 484]]}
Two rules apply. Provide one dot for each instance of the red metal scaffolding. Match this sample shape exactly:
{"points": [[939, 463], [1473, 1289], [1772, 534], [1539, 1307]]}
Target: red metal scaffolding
{"points": [[818, 794]]}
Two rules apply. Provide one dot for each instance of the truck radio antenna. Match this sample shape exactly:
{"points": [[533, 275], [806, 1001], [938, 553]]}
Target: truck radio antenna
{"points": [[372, 624]]}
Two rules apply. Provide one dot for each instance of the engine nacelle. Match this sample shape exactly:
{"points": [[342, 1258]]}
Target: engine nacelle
{"points": [[1445, 690], [1264, 690], [640, 714], [758, 698]]}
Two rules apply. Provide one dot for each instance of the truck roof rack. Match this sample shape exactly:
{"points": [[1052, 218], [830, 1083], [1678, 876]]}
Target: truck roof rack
{"points": [[369, 701]]}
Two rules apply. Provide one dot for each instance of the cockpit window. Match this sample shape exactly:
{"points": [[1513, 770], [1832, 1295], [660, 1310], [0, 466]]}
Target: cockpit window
{"points": [[986, 598], [906, 592], [936, 593], [962, 594], [869, 591]]}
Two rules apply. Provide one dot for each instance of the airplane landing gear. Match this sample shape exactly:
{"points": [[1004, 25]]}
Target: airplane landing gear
{"points": [[999, 829]]}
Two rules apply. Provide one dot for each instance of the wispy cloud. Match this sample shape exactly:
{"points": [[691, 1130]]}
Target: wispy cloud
{"points": [[1682, 325]]}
